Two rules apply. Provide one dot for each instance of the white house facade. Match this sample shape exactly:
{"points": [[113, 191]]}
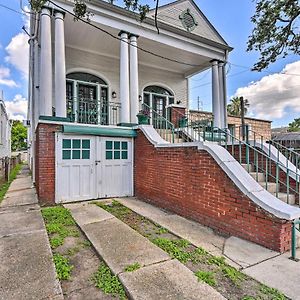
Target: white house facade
{"points": [[5, 132]]}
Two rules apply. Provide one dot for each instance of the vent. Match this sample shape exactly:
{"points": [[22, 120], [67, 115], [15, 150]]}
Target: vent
{"points": [[188, 20]]}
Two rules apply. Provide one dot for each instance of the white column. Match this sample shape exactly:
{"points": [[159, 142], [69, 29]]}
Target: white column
{"points": [[134, 80], [221, 94], [216, 94], [46, 64], [225, 96], [36, 83], [124, 78], [60, 66]]}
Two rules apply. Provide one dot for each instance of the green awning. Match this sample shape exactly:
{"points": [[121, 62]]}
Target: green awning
{"points": [[100, 131]]}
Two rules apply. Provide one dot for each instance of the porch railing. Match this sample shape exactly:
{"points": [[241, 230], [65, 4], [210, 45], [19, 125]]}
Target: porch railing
{"points": [[92, 111]]}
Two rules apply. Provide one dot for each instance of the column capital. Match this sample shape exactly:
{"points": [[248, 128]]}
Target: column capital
{"points": [[123, 32], [58, 14], [46, 11], [133, 35]]}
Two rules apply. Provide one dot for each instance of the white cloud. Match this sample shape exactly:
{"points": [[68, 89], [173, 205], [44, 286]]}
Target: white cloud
{"points": [[4, 78], [17, 108], [271, 96], [18, 53]]}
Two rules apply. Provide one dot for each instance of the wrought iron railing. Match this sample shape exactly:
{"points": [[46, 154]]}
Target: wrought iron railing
{"points": [[257, 161], [92, 111]]}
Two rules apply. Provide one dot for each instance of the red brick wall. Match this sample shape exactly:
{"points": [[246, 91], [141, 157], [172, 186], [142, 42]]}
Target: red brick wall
{"points": [[189, 182], [45, 163]]}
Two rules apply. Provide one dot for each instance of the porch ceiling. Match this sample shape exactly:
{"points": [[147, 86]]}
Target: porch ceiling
{"points": [[85, 37]]}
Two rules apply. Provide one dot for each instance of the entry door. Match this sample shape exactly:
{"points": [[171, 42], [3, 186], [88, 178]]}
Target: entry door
{"points": [[87, 104], [159, 105], [75, 168], [114, 167]]}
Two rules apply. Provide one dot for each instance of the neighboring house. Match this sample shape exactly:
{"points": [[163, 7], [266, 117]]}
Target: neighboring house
{"points": [[5, 132], [86, 87]]}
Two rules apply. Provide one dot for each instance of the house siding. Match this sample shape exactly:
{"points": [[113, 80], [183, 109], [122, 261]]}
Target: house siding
{"points": [[189, 182]]}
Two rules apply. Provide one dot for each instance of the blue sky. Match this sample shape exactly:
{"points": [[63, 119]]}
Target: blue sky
{"points": [[231, 18]]}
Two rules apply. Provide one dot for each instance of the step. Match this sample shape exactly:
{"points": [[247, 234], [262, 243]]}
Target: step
{"points": [[258, 176], [283, 197], [245, 166], [271, 186]]}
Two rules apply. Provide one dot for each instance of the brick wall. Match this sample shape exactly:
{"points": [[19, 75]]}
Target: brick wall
{"points": [[45, 162], [189, 182], [260, 127]]}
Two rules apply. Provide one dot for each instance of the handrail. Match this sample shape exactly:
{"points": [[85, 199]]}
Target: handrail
{"points": [[262, 161], [164, 127]]}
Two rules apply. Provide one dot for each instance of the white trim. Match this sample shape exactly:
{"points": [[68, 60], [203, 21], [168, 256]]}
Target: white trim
{"points": [[238, 175], [88, 71], [163, 85]]}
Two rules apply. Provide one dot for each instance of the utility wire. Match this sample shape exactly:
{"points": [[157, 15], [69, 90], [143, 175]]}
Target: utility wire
{"points": [[11, 9]]}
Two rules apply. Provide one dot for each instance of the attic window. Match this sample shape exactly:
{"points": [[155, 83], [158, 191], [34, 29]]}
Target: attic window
{"points": [[188, 20]]}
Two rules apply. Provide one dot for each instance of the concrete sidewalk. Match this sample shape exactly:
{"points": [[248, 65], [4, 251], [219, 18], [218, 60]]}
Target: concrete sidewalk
{"points": [[159, 277], [26, 269], [271, 268]]}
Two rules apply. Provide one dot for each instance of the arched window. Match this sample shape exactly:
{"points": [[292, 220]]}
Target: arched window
{"points": [[158, 98], [87, 98]]}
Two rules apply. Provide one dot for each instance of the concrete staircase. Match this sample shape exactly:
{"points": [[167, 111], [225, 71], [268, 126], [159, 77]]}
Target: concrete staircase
{"points": [[269, 186], [167, 135]]}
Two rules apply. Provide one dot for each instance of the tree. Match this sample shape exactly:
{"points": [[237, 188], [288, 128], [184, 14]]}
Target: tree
{"points": [[276, 31], [234, 108], [294, 126], [18, 136]]}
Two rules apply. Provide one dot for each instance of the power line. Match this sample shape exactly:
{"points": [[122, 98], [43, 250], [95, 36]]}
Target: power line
{"points": [[264, 71], [13, 10], [119, 39]]}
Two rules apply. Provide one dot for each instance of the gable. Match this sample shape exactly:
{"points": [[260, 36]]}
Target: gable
{"points": [[173, 14]]}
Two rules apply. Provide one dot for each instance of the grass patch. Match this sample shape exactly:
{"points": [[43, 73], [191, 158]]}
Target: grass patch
{"points": [[63, 266], [12, 176], [115, 208], [216, 260], [207, 277], [133, 267], [232, 273], [271, 292], [59, 224], [161, 230], [108, 283]]}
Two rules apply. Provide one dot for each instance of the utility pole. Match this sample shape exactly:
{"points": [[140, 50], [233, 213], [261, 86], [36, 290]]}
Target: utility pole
{"points": [[242, 103], [198, 100]]}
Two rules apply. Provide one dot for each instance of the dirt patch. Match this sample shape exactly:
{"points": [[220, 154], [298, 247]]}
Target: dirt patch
{"points": [[228, 281]]}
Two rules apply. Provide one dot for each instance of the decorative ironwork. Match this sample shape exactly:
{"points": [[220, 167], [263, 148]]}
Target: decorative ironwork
{"points": [[188, 20]]}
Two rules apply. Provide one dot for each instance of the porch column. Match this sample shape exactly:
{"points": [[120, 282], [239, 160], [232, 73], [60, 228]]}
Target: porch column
{"points": [[46, 64], [134, 79], [60, 67], [216, 94], [221, 94], [124, 78], [225, 96]]}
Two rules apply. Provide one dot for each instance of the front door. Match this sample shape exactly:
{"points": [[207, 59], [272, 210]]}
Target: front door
{"points": [[87, 104]]}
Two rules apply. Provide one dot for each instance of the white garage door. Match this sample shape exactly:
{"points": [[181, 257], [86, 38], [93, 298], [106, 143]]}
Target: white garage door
{"points": [[89, 167]]}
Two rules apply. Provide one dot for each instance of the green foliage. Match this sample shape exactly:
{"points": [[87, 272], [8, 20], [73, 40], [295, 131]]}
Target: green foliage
{"points": [[232, 273], [207, 276], [248, 298], [274, 293], [294, 126], [56, 242], [63, 267], [133, 267], [216, 260], [107, 282], [276, 32], [58, 221], [73, 251], [115, 208], [160, 230], [234, 107], [18, 136], [172, 248], [13, 174]]}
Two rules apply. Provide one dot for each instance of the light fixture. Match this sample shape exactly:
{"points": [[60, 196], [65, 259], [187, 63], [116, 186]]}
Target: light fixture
{"points": [[140, 98], [114, 95], [178, 102]]}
